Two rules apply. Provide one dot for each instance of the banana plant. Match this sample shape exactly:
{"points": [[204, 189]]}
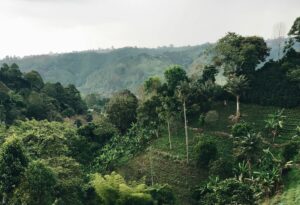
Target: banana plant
{"points": [[275, 123]]}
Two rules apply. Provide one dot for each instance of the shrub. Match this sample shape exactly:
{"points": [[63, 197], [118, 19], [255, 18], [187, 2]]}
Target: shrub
{"points": [[123, 147], [89, 117], [241, 129], [229, 191], [206, 152], [222, 168], [162, 194], [290, 151], [232, 191], [68, 112], [98, 131], [113, 189], [211, 116]]}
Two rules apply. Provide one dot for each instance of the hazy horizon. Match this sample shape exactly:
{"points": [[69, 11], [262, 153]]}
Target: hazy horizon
{"points": [[32, 27]]}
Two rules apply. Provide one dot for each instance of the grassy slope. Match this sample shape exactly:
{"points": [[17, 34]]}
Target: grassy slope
{"points": [[291, 191], [169, 165]]}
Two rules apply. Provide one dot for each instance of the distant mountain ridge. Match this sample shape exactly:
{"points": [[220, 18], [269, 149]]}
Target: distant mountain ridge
{"points": [[107, 71]]}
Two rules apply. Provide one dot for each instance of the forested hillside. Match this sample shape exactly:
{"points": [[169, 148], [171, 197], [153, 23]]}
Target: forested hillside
{"points": [[25, 95], [107, 71]]}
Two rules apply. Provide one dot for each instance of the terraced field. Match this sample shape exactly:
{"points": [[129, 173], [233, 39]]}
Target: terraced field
{"points": [[254, 114], [171, 163]]}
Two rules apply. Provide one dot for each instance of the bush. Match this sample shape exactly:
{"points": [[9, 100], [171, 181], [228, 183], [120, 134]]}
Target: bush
{"points": [[232, 191], [120, 148], [290, 151], [229, 191], [68, 112], [113, 189], [100, 130], [206, 152], [221, 168], [211, 116], [241, 129], [162, 194]]}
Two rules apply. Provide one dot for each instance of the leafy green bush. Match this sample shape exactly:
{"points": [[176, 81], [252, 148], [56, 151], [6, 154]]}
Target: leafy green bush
{"points": [[43, 139], [222, 168], [229, 191], [248, 147], [68, 112], [290, 151], [52, 145], [113, 189], [119, 148], [99, 130], [232, 191], [162, 194], [206, 152], [211, 116], [241, 129], [267, 181]]}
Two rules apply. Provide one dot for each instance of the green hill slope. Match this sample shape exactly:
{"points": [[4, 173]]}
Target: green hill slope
{"points": [[107, 71], [169, 166]]}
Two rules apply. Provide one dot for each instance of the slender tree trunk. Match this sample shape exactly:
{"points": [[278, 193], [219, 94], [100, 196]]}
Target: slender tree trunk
{"points": [[4, 198], [151, 167], [186, 133], [156, 132], [249, 167], [238, 113], [274, 133], [169, 132]]}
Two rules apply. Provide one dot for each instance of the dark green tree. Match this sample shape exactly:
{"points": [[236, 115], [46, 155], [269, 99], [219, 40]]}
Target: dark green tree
{"points": [[166, 112], [39, 185], [174, 75], [207, 152], [148, 114], [122, 110], [209, 74], [35, 80], [152, 84], [295, 30], [240, 55], [13, 163]]}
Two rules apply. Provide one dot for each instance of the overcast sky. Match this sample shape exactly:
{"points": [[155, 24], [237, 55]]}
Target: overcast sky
{"points": [[43, 26]]}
